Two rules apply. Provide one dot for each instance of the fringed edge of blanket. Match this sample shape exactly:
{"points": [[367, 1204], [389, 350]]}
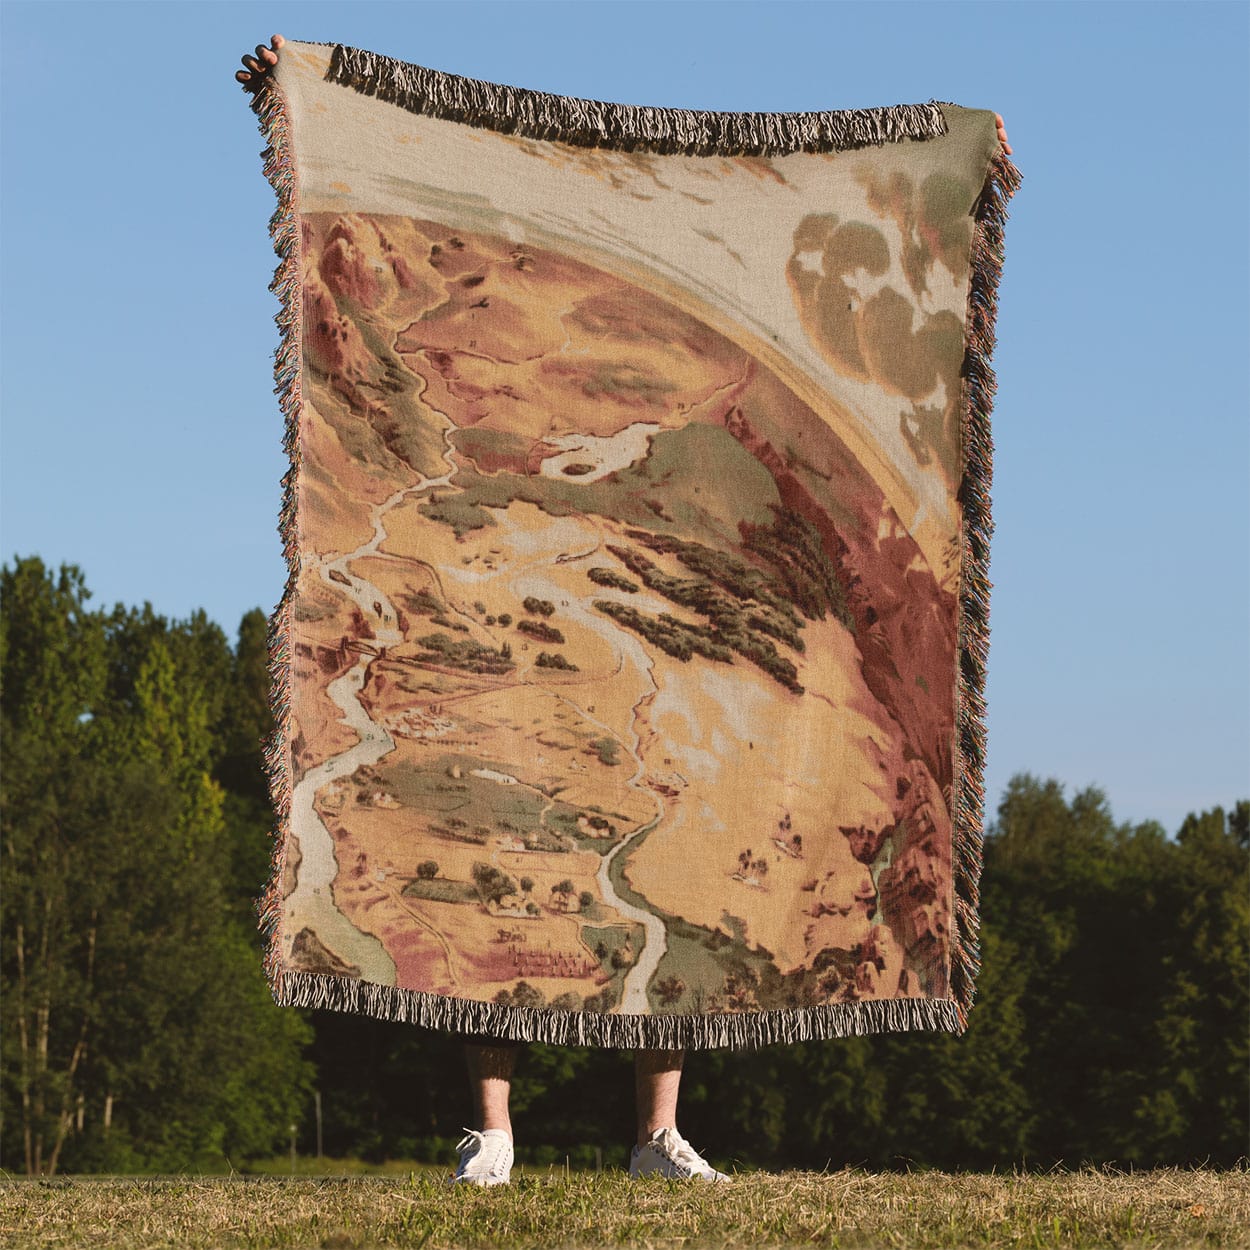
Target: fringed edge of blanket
{"points": [[284, 231], [737, 1031], [594, 123], [990, 216]]}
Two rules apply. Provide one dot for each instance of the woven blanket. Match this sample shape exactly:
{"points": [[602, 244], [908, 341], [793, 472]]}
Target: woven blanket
{"points": [[628, 678]]}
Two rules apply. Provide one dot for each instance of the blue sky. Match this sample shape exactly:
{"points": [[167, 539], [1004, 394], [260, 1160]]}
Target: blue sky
{"points": [[142, 441]]}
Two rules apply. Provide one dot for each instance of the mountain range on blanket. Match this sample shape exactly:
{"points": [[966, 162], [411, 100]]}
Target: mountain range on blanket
{"points": [[628, 678]]}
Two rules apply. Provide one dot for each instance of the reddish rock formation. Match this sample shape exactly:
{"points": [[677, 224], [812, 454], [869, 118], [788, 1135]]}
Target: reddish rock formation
{"points": [[904, 632], [345, 268]]}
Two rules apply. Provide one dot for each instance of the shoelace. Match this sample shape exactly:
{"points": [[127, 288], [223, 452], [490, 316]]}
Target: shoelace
{"points": [[681, 1152], [472, 1136]]}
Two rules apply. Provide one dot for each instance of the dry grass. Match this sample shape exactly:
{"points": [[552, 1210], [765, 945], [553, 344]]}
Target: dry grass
{"points": [[1167, 1207]]}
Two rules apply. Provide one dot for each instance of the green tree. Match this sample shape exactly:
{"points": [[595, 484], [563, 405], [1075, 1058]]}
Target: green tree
{"points": [[242, 732], [493, 884], [1134, 946], [144, 1034], [52, 679], [1200, 1110]]}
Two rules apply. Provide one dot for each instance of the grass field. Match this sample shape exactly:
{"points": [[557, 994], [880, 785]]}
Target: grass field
{"points": [[551, 1209]]}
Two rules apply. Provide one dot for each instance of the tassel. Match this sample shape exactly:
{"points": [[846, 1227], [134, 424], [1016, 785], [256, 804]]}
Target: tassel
{"points": [[990, 214], [269, 106], [735, 1031], [627, 127]]}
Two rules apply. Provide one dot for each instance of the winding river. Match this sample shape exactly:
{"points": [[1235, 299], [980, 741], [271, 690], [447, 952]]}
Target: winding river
{"points": [[311, 903]]}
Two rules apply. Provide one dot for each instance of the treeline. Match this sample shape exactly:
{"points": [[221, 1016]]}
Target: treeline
{"points": [[137, 1032]]}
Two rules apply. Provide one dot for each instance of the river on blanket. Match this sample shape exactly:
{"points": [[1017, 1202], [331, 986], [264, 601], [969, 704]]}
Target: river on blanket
{"points": [[618, 685]]}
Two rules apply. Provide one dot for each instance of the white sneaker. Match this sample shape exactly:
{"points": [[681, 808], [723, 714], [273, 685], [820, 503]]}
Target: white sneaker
{"points": [[485, 1158], [668, 1153]]}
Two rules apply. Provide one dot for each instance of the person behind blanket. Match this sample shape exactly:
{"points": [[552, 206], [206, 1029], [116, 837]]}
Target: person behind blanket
{"points": [[486, 1152]]}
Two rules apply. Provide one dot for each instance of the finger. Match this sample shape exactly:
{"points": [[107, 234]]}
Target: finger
{"points": [[259, 64], [269, 56]]}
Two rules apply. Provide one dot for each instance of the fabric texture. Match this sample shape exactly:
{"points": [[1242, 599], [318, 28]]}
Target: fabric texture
{"points": [[628, 678]]}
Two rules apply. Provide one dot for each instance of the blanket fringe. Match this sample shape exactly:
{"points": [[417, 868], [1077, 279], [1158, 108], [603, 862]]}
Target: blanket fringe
{"points": [[737, 1031], [594, 123], [284, 231], [990, 215]]}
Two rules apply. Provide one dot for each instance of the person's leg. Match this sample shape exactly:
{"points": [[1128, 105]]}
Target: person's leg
{"points": [[490, 1081], [657, 1079], [661, 1149], [486, 1152]]}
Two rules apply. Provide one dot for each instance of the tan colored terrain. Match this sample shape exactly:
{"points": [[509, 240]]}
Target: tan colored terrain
{"points": [[484, 424]]}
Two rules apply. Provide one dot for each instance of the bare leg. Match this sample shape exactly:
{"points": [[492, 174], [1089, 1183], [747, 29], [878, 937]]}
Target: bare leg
{"points": [[490, 1080], [657, 1078]]}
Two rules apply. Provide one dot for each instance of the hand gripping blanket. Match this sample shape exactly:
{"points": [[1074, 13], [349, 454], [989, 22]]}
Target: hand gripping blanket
{"points": [[628, 678]]}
